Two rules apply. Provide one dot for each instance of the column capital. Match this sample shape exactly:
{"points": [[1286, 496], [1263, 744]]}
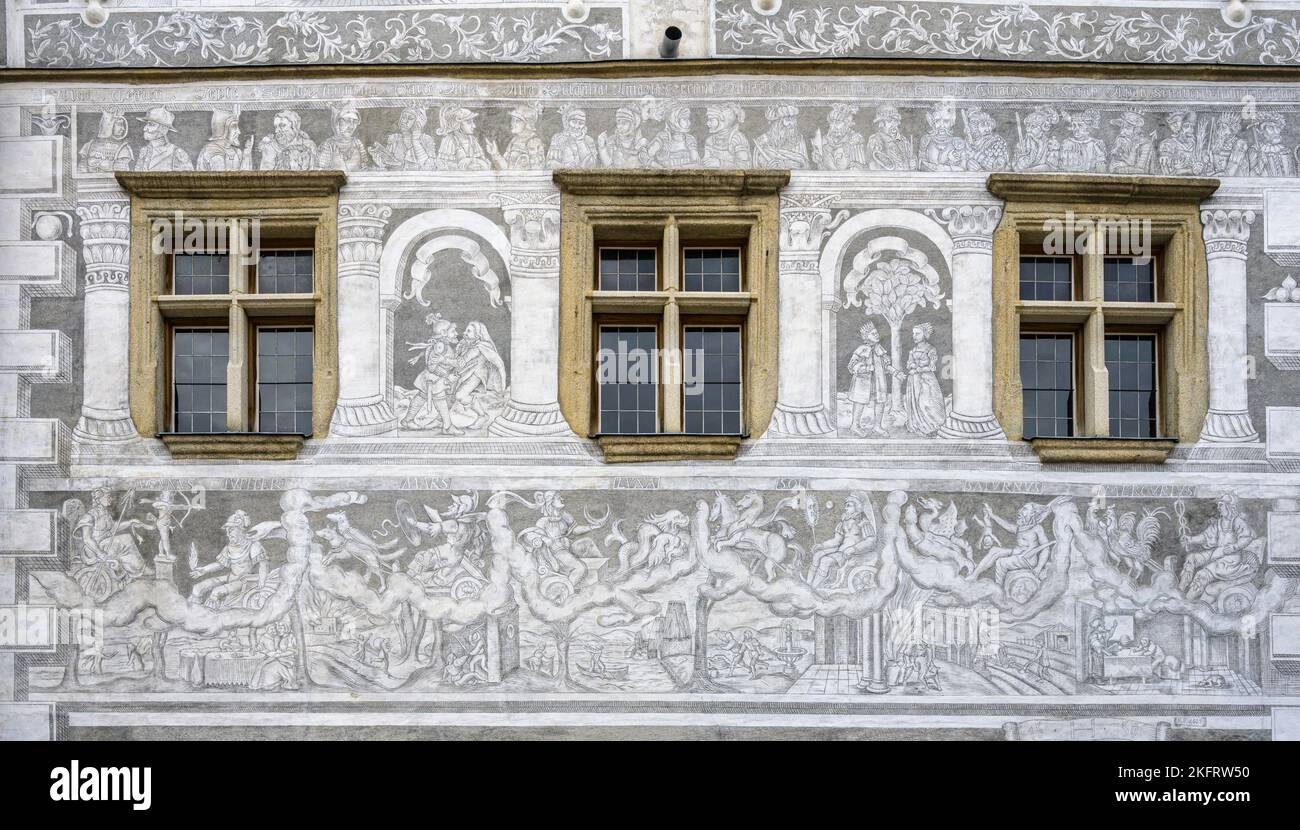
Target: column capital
{"points": [[534, 221], [806, 219], [360, 235], [1226, 231], [533, 218], [970, 226], [106, 243]]}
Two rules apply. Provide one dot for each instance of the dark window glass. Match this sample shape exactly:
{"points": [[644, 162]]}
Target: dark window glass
{"points": [[1046, 278], [627, 373], [1131, 364], [711, 388], [627, 269], [1047, 375], [200, 274], [284, 272], [284, 357], [1129, 280], [199, 358], [711, 269]]}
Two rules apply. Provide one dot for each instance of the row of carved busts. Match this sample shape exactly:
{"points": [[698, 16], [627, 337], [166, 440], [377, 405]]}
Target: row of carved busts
{"points": [[667, 134]]}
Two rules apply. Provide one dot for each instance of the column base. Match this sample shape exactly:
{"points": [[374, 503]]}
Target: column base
{"points": [[360, 420], [803, 421], [1224, 427], [92, 428], [527, 419], [874, 687], [971, 427]]}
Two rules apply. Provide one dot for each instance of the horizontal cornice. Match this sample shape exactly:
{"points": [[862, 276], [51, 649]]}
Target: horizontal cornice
{"points": [[645, 182], [276, 184], [1064, 187], [927, 67]]}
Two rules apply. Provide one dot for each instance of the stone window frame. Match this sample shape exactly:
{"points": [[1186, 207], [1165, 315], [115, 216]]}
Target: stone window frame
{"points": [[1173, 206], [286, 204], [664, 207]]}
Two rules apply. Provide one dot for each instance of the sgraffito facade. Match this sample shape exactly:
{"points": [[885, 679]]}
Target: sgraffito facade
{"points": [[450, 548]]}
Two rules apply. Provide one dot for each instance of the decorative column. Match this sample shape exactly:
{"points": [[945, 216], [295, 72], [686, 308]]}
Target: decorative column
{"points": [[971, 228], [105, 384], [806, 219], [363, 408], [1226, 233], [873, 655], [534, 408]]}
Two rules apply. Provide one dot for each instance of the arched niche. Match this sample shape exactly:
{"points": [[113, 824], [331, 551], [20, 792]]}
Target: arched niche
{"points": [[859, 228], [420, 237]]}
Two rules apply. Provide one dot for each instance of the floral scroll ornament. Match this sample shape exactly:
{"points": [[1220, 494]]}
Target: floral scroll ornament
{"points": [[1013, 30], [184, 38]]}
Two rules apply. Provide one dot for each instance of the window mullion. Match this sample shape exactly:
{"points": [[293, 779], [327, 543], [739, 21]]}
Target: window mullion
{"points": [[1096, 378], [670, 367], [239, 250], [237, 371], [672, 257]]}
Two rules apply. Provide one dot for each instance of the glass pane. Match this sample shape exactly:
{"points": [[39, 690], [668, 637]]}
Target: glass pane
{"points": [[200, 274], [1046, 278], [284, 380], [1130, 362], [1129, 280], [627, 269], [711, 393], [199, 358], [285, 272], [627, 380], [1047, 376], [711, 269]]}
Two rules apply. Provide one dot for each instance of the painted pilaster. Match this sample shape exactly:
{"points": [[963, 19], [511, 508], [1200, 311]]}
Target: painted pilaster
{"points": [[806, 220], [106, 251], [363, 408], [1226, 233], [534, 408], [971, 228]]}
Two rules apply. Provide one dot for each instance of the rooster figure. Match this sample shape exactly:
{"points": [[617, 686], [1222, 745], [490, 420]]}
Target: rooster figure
{"points": [[1129, 540]]}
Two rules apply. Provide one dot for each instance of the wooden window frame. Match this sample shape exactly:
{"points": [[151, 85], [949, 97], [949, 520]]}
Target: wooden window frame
{"points": [[601, 321], [670, 210], [1178, 317], [1158, 333], [169, 368], [1075, 334], [290, 207]]}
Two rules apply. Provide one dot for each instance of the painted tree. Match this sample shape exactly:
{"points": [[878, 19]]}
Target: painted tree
{"points": [[891, 279]]}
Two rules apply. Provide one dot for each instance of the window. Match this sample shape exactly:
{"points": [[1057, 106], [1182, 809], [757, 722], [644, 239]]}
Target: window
{"points": [[1046, 278], [670, 277], [1047, 374], [628, 269], [1131, 370], [284, 357], [1100, 314], [629, 388], [713, 400], [199, 362], [232, 348]]}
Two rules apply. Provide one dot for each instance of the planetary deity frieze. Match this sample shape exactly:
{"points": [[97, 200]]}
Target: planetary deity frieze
{"points": [[763, 592]]}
